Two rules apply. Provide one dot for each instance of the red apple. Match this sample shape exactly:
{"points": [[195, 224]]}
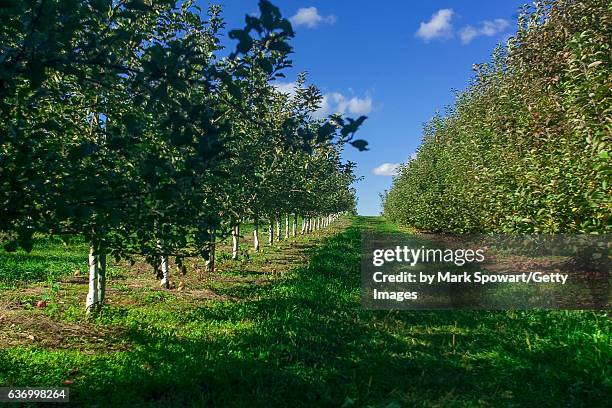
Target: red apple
{"points": [[41, 304]]}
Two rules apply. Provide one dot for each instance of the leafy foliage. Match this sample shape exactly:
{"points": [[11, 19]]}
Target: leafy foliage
{"points": [[527, 147], [121, 122]]}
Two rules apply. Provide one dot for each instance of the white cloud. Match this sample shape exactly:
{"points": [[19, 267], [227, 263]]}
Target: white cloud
{"points": [[359, 106], [285, 87], [387, 169], [487, 28], [310, 17], [438, 27], [493, 27], [467, 34], [335, 102]]}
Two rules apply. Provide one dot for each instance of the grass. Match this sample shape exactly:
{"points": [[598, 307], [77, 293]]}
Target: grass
{"points": [[50, 258], [286, 329]]}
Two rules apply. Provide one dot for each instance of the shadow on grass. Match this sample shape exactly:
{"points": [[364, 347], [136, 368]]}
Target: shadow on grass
{"points": [[304, 340]]}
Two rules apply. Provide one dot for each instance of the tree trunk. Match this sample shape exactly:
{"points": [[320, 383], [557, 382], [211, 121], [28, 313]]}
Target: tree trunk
{"points": [[278, 228], [210, 263], [294, 226], [256, 235], [303, 225], [97, 282], [235, 240], [92, 302], [101, 277], [287, 226], [165, 270], [270, 232]]}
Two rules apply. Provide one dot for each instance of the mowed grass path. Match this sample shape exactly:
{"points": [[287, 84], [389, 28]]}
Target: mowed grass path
{"points": [[286, 329]]}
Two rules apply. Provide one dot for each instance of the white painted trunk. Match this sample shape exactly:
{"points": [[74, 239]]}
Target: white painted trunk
{"points": [[256, 235], [304, 223], [294, 226], [165, 270], [270, 232], [286, 226], [278, 229], [163, 265], [97, 282], [92, 301], [235, 240]]}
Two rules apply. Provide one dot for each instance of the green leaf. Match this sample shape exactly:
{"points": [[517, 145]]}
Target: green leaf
{"points": [[360, 144], [139, 5]]}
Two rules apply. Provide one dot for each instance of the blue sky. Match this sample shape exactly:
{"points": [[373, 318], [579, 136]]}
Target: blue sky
{"points": [[398, 62]]}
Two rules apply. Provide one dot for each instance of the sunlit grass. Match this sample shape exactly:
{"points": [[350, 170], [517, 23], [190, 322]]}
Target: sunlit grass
{"points": [[302, 339]]}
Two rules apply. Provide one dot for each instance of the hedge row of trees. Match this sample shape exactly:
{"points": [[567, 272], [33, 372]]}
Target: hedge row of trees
{"points": [[526, 148], [125, 122]]}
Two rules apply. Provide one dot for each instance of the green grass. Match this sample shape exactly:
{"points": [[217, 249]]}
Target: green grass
{"points": [[301, 339], [50, 258]]}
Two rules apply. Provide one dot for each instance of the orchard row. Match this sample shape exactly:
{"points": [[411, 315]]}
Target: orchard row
{"points": [[128, 123], [526, 148]]}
